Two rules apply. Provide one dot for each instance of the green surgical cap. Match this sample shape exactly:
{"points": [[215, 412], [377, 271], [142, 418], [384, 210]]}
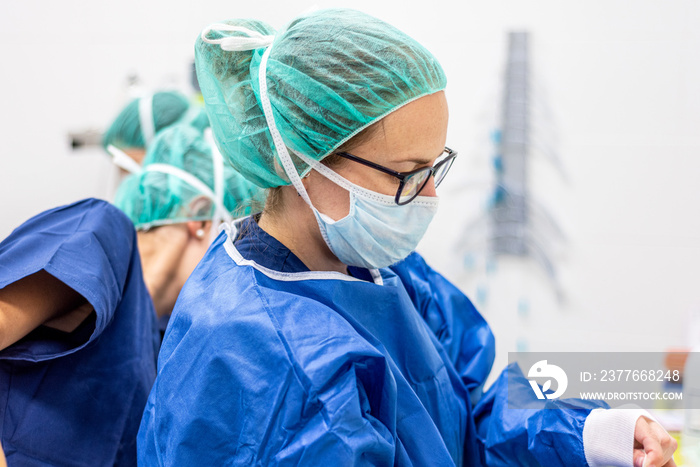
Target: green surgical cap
{"points": [[163, 108], [157, 196], [330, 74]]}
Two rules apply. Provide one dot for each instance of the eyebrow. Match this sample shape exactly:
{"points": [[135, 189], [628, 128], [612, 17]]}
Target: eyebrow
{"points": [[419, 161], [424, 161]]}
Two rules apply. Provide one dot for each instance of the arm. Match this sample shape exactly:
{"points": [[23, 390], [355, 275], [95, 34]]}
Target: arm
{"points": [[549, 434], [38, 299], [197, 419], [459, 327], [544, 436], [552, 435]]}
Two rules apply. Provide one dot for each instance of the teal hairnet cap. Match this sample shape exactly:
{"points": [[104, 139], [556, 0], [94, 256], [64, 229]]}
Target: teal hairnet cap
{"points": [[182, 179], [144, 117], [331, 74]]}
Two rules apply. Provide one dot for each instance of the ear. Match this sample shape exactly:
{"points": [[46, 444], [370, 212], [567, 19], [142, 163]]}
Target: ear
{"points": [[311, 179], [198, 230], [199, 206]]}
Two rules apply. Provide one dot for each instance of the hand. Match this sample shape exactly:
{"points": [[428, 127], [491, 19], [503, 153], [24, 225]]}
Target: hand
{"points": [[653, 446]]}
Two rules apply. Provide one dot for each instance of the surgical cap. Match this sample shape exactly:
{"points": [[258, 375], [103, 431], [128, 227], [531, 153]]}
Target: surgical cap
{"points": [[330, 74], [144, 117], [161, 194]]}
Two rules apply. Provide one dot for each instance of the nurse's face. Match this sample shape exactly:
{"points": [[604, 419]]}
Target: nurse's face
{"points": [[407, 139]]}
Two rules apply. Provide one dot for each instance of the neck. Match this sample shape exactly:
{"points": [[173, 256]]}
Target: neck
{"points": [[161, 251], [294, 225]]}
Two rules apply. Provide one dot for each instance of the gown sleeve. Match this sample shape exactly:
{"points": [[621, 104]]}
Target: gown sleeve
{"points": [[89, 246], [551, 435]]}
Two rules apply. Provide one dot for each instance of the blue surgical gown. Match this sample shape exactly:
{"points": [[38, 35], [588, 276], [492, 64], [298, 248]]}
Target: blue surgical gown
{"points": [[267, 363], [76, 399]]}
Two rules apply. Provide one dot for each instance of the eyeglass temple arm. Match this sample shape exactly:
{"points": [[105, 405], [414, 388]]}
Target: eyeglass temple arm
{"points": [[347, 155]]}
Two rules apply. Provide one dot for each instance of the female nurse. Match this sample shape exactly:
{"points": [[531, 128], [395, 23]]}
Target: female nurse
{"points": [[79, 293], [311, 334]]}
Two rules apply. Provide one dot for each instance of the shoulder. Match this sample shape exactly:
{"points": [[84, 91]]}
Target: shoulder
{"points": [[224, 305], [412, 269], [266, 351], [72, 223], [86, 212], [89, 232], [89, 245]]}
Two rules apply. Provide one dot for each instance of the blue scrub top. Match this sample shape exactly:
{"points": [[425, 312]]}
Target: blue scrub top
{"points": [[77, 398], [266, 362]]}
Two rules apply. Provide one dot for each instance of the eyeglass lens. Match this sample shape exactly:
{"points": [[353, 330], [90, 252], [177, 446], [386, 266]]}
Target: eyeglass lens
{"points": [[442, 170], [415, 183]]}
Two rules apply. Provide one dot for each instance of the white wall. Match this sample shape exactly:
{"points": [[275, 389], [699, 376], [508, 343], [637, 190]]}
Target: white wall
{"points": [[620, 78]]}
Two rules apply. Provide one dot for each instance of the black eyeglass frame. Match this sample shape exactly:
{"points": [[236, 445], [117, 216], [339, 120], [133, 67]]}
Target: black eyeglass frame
{"points": [[403, 176]]}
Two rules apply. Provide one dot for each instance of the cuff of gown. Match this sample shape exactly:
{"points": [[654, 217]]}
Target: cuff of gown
{"points": [[608, 436]]}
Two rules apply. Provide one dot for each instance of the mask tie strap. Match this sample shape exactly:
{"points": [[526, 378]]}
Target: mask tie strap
{"points": [[250, 40], [194, 182], [287, 163], [148, 130], [221, 214], [123, 161]]}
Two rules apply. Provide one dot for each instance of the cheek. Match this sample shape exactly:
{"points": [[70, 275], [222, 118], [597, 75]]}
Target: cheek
{"points": [[328, 198], [369, 178]]}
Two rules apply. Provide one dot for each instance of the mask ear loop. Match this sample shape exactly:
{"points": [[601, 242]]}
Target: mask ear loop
{"points": [[195, 183], [345, 183], [289, 167], [221, 214], [122, 160], [287, 163]]}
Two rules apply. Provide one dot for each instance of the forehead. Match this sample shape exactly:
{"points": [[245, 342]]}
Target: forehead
{"points": [[416, 130]]}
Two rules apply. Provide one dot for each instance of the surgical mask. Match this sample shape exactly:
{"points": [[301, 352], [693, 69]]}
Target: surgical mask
{"points": [[377, 232]]}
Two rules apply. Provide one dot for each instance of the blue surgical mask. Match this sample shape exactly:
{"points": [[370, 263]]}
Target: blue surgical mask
{"points": [[377, 232]]}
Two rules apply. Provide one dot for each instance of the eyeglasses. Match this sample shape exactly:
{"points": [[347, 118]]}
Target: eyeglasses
{"points": [[411, 183]]}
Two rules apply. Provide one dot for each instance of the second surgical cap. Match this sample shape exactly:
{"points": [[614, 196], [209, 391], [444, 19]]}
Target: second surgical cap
{"points": [[330, 74], [141, 119], [184, 178]]}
